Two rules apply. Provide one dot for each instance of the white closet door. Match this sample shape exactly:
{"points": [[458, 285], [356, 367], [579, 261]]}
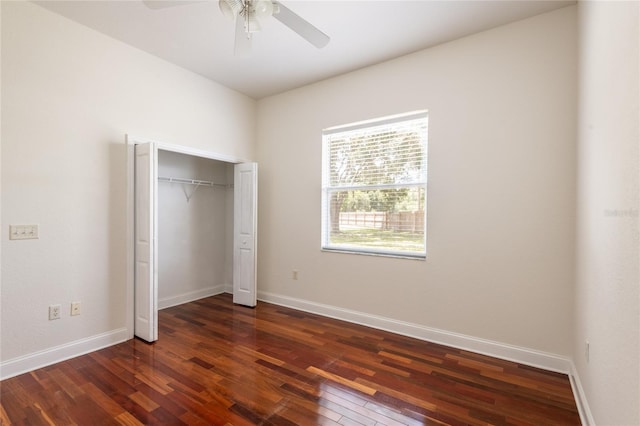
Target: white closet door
{"points": [[146, 263], [245, 233]]}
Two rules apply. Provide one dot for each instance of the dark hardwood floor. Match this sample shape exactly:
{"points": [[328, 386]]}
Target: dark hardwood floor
{"points": [[216, 363]]}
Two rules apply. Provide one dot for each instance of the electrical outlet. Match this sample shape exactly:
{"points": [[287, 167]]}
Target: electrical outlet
{"points": [[294, 274], [586, 350], [54, 312], [75, 308]]}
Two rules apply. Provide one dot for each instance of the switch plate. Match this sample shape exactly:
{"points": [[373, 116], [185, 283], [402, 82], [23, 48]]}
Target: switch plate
{"points": [[75, 308], [23, 232]]}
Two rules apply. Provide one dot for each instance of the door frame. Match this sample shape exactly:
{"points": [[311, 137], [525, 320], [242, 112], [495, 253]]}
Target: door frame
{"points": [[130, 142]]}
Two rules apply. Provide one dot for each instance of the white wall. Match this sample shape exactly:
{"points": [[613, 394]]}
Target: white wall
{"points": [[69, 94], [501, 198], [607, 285], [192, 232]]}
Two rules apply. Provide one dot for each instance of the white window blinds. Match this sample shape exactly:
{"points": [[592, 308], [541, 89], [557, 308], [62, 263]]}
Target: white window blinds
{"points": [[374, 186]]}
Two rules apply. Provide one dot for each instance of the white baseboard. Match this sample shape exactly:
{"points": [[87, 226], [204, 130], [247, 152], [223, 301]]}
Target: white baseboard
{"points": [[586, 418], [546, 361], [29, 362], [168, 302]]}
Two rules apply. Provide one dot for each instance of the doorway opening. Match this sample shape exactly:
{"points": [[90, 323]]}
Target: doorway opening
{"points": [[192, 230]]}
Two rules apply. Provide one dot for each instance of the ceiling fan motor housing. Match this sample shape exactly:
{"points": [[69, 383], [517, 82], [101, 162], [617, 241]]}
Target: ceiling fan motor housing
{"points": [[253, 8]]}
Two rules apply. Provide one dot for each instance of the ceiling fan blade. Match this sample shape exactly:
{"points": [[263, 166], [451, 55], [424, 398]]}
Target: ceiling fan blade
{"points": [[163, 4], [300, 26], [242, 44]]}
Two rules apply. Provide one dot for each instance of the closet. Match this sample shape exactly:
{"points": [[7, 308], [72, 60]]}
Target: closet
{"points": [[194, 230], [195, 227]]}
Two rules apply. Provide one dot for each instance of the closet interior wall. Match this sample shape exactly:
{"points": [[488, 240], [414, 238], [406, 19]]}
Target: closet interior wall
{"points": [[195, 229]]}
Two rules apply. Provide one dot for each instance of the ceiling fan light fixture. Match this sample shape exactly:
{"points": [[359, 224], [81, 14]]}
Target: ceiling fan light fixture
{"points": [[252, 25], [262, 9]]}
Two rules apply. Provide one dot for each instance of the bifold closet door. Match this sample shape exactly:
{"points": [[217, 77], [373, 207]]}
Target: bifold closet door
{"points": [[146, 245], [245, 205], [146, 249]]}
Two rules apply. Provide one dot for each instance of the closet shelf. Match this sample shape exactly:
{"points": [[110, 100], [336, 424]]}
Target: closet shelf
{"points": [[196, 182]]}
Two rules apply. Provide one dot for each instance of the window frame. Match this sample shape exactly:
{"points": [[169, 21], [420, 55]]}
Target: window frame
{"points": [[327, 189]]}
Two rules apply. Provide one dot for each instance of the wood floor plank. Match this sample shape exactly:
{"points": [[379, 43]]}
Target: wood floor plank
{"points": [[217, 363], [339, 379], [107, 404], [126, 419], [4, 417]]}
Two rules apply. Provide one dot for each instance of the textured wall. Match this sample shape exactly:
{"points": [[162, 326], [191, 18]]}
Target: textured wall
{"points": [[608, 255]]}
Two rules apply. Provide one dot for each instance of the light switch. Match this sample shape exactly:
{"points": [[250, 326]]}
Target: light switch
{"points": [[23, 232]]}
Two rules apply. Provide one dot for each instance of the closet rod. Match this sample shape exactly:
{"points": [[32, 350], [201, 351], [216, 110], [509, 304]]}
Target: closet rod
{"points": [[191, 181]]}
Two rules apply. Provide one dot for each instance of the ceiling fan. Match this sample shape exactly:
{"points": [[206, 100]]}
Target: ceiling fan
{"points": [[247, 15]]}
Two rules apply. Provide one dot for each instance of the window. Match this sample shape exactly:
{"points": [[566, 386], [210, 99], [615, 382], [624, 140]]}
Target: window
{"points": [[374, 186]]}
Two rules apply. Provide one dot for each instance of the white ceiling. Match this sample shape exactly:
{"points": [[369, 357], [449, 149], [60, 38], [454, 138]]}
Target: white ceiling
{"points": [[196, 35]]}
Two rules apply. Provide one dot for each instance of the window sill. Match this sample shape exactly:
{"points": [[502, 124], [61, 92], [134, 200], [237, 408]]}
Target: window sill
{"points": [[397, 255]]}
